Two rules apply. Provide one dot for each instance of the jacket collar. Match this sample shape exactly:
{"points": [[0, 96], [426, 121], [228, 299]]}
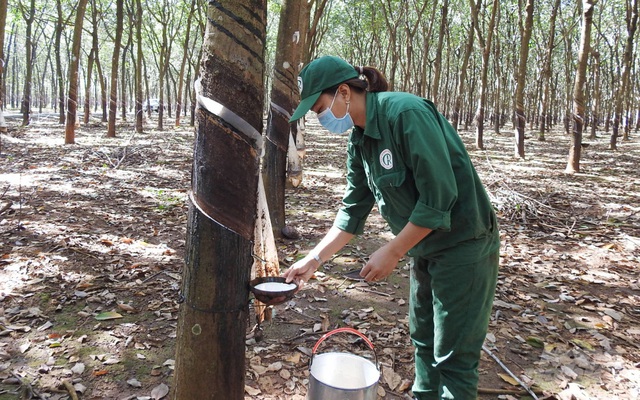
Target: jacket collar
{"points": [[371, 126]]}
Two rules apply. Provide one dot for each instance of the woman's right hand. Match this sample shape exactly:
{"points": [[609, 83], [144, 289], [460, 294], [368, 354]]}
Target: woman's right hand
{"points": [[301, 271]]}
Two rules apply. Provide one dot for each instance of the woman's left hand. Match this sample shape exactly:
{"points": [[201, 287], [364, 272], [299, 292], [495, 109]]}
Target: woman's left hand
{"points": [[380, 265]]}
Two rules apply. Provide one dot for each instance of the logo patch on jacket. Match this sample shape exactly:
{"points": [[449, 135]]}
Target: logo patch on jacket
{"points": [[386, 159]]}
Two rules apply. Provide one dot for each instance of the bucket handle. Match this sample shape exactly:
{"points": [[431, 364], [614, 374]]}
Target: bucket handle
{"points": [[339, 330]]}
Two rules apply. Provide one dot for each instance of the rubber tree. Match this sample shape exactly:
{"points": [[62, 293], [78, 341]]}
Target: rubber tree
{"points": [[546, 73], [485, 45], [212, 323], [624, 82], [573, 163], [74, 65], [284, 99], [521, 74], [115, 59]]}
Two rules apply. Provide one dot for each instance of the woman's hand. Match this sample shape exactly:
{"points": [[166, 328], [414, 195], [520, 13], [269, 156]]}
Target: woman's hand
{"points": [[301, 271], [381, 263]]}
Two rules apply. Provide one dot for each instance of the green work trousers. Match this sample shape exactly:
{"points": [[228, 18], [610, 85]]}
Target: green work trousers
{"points": [[448, 320]]}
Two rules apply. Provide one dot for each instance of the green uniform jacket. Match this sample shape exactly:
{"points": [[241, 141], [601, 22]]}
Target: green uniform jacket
{"points": [[411, 161]]}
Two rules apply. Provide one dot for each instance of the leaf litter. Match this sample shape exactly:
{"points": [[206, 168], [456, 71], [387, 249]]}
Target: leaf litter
{"points": [[91, 257]]}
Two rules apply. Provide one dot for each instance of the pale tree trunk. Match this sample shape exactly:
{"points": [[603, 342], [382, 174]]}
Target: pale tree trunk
{"points": [[124, 68], [87, 87], [183, 64], [210, 344], [138, 68], [115, 58], [72, 98], [28, 16], [93, 59], [314, 35], [546, 73], [486, 51], [437, 65], [497, 66], [284, 99], [623, 84], [3, 23], [457, 106], [573, 163], [521, 80], [595, 100], [60, 24]]}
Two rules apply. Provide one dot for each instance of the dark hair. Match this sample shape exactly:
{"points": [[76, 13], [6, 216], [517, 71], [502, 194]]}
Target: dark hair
{"points": [[370, 80]]}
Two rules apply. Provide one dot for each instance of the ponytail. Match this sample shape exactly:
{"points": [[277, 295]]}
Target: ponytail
{"points": [[369, 80], [376, 81]]}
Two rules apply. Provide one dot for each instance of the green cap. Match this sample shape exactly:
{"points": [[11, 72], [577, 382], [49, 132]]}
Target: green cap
{"points": [[320, 74]]}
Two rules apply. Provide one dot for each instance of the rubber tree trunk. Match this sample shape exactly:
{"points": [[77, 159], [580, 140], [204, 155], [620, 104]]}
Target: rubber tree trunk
{"points": [[212, 324], [546, 73], [573, 163], [624, 84], [519, 113], [72, 102], [284, 98], [486, 51], [115, 58], [3, 22]]}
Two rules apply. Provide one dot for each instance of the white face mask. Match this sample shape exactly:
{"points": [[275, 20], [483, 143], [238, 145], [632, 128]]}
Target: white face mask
{"points": [[333, 124]]}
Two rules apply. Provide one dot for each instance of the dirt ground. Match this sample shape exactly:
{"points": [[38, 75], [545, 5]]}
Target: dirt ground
{"points": [[91, 254]]}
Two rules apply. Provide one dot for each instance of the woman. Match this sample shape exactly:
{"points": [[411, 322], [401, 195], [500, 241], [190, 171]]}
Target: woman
{"points": [[405, 156]]}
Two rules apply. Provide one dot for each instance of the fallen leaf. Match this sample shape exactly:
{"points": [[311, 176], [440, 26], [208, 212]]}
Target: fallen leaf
{"points": [[126, 307], [509, 379], [78, 368], [535, 341], [159, 391], [100, 372], [107, 316], [134, 382], [251, 391]]}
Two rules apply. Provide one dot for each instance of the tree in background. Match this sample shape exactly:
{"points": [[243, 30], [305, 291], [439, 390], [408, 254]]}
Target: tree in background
{"points": [[485, 45], [546, 74], [29, 16], [72, 99], [3, 23], [573, 164], [521, 79], [115, 59], [284, 99], [624, 82], [210, 344]]}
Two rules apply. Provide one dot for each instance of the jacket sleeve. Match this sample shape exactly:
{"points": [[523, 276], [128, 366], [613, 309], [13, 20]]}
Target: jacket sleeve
{"points": [[421, 135], [358, 199]]}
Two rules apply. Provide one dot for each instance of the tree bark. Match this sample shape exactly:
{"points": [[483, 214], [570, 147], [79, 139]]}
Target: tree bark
{"points": [[115, 59], [437, 65], [486, 51], [138, 69], [284, 98], [573, 163], [72, 102], [28, 17], [546, 73], [595, 101], [210, 345], [183, 64], [623, 84], [520, 117], [3, 23], [457, 106]]}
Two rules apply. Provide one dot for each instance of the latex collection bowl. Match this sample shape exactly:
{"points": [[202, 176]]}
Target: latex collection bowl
{"points": [[272, 290]]}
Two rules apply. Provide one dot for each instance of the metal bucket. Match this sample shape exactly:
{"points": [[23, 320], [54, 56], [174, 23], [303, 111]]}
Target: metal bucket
{"points": [[342, 376]]}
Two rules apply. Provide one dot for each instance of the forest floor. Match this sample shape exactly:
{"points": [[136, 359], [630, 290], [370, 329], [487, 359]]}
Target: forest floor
{"points": [[91, 252]]}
